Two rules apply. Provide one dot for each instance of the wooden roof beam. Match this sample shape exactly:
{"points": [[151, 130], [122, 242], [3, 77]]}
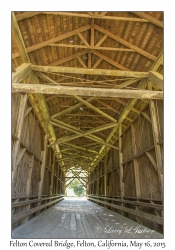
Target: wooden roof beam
{"points": [[94, 108], [83, 91], [110, 61], [89, 47], [98, 16], [73, 129], [80, 148], [68, 58], [63, 112], [73, 70], [85, 134], [52, 40], [46, 78], [149, 18], [125, 43]]}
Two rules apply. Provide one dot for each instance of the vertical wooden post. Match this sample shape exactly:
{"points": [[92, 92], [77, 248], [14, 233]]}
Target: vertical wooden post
{"points": [[29, 177], [22, 106], [155, 129], [105, 175], [57, 173], [52, 174], [121, 162], [44, 153], [28, 185], [136, 170], [98, 181], [136, 167]]}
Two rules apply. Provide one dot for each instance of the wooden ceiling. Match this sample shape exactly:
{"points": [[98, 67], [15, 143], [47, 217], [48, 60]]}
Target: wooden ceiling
{"points": [[88, 51]]}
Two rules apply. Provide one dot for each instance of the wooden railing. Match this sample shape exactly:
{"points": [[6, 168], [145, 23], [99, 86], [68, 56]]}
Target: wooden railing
{"points": [[50, 200], [139, 202]]}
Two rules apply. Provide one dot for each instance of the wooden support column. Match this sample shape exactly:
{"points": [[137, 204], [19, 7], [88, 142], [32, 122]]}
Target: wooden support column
{"points": [[136, 167], [28, 185], [121, 162], [105, 175], [29, 177], [155, 128], [57, 173], [44, 153], [98, 182], [52, 175], [16, 147]]}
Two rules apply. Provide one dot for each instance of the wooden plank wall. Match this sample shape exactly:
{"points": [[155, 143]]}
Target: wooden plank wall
{"points": [[27, 172], [140, 175]]}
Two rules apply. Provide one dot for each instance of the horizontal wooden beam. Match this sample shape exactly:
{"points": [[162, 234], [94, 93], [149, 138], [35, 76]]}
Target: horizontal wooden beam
{"points": [[118, 199], [89, 47], [26, 213], [144, 215], [73, 70], [96, 92], [95, 15]]}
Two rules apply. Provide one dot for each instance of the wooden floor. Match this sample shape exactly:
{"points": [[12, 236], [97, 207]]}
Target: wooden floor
{"points": [[81, 219]]}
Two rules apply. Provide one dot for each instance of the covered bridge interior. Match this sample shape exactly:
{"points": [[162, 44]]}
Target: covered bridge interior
{"points": [[87, 104]]}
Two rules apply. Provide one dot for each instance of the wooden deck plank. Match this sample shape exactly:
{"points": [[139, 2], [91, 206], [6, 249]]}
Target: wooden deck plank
{"points": [[81, 219]]}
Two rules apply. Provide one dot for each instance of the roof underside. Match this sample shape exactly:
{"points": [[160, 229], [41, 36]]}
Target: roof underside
{"points": [[85, 128]]}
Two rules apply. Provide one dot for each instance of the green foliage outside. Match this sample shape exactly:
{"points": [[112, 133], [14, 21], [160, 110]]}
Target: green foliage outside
{"points": [[77, 187], [79, 190]]}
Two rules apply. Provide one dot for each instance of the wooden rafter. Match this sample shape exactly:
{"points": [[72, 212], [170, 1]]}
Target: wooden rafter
{"points": [[149, 18], [107, 59], [84, 134], [63, 112], [53, 40], [124, 42], [68, 58]]}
